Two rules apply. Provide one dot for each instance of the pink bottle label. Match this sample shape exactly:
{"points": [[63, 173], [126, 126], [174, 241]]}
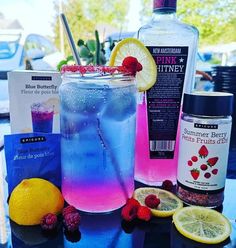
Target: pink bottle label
{"points": [[164, 99]]}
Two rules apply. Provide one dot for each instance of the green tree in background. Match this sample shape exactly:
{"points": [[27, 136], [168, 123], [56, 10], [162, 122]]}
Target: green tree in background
{"points": [[84, 16], [215, 19]]}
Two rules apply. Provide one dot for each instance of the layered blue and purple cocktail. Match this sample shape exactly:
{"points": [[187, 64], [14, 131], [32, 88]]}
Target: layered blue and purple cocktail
{"points": [[98, 115]]}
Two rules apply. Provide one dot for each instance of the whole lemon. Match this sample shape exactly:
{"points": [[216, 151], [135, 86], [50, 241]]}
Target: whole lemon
{"points": [[32, 199]]}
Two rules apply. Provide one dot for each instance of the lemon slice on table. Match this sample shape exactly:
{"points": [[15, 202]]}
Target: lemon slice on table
{"points": [[145, 78], [169, 203], [202, 224]]}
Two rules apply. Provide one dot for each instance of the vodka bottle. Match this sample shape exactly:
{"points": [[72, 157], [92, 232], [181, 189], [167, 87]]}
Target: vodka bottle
{"points": [[173, 45]]}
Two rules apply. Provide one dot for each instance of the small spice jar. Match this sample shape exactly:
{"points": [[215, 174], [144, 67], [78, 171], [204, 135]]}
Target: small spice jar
{"points": [[204, 146]]}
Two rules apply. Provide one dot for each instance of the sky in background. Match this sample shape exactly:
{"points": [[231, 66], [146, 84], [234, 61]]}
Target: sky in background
{"points": [[33, 15], [37, 15]]}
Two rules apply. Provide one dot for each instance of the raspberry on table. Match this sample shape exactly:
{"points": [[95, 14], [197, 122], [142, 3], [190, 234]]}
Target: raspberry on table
{"points": [[71, 221], [49, 222], [129, 212], [152, 201], [133, 202], [68, 209], [144, 213], [167, 185]]}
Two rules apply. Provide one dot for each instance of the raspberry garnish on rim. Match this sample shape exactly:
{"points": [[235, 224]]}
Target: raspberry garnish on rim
{"points": [[102, 70], [132, 65]]}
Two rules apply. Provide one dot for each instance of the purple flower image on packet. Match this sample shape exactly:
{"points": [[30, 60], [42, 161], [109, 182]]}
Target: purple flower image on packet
{"points": [[31, 155]]}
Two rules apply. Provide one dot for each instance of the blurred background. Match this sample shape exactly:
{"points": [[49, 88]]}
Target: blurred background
{"points": [[215, 20], [31, 35]]}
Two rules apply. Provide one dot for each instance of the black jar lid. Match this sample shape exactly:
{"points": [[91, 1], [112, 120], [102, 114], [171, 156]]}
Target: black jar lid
{"points": [[208, 103]]}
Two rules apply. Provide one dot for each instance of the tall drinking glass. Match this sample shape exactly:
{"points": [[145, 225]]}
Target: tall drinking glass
{"points": [[98, 116]]}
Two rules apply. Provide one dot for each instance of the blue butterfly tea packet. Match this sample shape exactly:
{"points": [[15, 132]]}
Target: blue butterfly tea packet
{"points": [[31, 155]]}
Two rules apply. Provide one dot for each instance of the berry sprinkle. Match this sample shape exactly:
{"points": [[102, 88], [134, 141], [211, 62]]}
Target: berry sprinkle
{"points": [[102, 70]]}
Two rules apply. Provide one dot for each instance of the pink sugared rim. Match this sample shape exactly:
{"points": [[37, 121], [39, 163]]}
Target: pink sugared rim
{"points": [[94, 69]]}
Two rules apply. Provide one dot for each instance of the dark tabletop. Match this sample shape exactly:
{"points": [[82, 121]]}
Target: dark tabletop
{"points": [[108, 230]]}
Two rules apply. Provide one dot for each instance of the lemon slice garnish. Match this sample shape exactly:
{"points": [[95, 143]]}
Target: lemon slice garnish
{"points": [[147, 77], [202, 224], [169, 203]]}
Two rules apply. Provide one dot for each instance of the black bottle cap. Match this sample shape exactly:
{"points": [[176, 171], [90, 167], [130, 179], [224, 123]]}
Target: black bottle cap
{"points": [[164, 5], [208, 103]]}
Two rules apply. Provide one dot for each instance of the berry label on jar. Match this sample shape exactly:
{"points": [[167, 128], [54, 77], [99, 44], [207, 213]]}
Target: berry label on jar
{"points": [[203, 157]]}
